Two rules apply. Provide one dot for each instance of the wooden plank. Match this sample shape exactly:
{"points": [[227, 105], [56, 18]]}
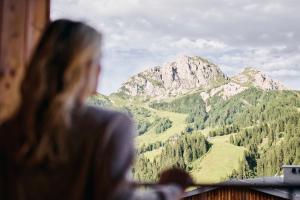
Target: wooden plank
{"points": [[12, 55], [21, 24], [37, 18], [1, 16], [228, 193]]}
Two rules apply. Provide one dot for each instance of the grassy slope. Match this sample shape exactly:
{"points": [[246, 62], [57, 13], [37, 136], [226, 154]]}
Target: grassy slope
{"points": [[177, 126], [218, 162], [215, 165]]}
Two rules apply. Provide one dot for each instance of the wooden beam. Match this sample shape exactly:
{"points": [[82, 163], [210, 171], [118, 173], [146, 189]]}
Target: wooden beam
{"points": [[21, 24], [37, 18]]}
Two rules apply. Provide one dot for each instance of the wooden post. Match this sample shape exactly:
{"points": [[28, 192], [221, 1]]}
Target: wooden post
{"points": [[21, 24]]}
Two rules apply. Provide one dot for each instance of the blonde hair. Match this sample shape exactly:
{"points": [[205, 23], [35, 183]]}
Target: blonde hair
{"points": [[56, 78]]}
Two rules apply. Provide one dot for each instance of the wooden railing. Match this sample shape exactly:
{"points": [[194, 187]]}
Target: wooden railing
{"points": [[291, 188]]}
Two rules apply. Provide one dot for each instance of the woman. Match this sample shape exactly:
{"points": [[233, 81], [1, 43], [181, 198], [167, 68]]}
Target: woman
{"points": [[55, 147]]}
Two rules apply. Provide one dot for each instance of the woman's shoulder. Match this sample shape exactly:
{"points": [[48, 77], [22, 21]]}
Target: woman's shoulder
{"points": [[101, 118], [103, 114], [96, 126]]}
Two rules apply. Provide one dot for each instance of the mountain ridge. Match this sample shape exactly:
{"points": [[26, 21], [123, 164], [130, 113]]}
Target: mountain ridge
{"points": [[190, 73]]}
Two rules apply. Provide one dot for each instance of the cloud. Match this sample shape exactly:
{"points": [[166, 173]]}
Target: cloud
{"points": [[230, 33], [198, 44]]}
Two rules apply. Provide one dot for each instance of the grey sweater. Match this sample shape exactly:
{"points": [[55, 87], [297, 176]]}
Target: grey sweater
{"points": [[101, 152]]}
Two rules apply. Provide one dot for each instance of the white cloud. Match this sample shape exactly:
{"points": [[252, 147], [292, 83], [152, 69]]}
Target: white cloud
{"points": [[274, 8], [198, 44], [289, 35], [250, 7]]}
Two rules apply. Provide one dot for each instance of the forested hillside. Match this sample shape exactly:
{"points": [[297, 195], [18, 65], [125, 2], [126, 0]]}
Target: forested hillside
{"points": [[266, 124]]}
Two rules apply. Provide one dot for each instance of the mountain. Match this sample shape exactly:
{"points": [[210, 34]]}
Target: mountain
{"points": [[189, 114], [175, 78], [256, 78], [188, 74]]}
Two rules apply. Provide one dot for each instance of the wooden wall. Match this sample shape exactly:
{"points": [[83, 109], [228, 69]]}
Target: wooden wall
{"points": [[21, 24], [232, 194]]}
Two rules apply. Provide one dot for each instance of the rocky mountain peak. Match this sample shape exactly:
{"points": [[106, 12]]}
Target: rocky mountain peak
{"points": [[180, 76], [253, 77]]}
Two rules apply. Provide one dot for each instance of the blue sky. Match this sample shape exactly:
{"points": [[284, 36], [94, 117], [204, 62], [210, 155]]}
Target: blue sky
{"points": [[234, 34]]}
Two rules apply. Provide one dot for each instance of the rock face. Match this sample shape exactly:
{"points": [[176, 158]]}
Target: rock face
{"points": [[252, 77], [186, 74], [173, 78], [228, 90]]}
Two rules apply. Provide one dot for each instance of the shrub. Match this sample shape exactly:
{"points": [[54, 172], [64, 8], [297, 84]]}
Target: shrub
{"points": [[163, 125]]}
